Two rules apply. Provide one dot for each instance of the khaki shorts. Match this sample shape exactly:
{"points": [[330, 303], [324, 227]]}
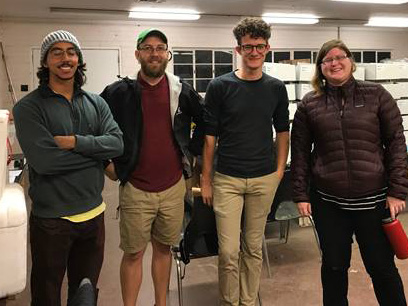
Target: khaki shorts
{"points": [[150, 214]]}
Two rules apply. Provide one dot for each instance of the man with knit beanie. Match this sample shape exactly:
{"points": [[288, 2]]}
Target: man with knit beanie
{"points": [[65, 133]]}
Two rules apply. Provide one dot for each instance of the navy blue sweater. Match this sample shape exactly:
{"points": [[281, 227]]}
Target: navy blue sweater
{"points": [[241, 114], [65, 182]]}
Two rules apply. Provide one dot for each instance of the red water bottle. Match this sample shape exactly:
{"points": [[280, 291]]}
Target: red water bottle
{"points": [[396, 236]]}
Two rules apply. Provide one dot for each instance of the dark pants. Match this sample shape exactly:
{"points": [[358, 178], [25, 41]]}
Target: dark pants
{"points": [[58, 245], [336, 228]]}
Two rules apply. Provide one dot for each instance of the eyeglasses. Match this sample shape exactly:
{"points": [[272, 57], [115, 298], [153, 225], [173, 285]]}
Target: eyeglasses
{"points": [[57, 52], [330, 60], [150, 49], [249, 48]]}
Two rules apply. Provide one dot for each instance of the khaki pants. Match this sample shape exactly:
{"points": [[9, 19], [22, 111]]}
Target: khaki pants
{"points": [[239, 267]]}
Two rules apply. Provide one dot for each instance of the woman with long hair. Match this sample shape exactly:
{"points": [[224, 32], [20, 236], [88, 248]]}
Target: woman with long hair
{"points": [[348, 170]]}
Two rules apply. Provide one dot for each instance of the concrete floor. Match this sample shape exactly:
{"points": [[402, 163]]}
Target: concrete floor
{"points": [[295, 270]]}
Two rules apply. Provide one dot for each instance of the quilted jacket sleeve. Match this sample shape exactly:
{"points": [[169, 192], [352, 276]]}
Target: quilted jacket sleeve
{"points": [[395, 151], [301, 146]]}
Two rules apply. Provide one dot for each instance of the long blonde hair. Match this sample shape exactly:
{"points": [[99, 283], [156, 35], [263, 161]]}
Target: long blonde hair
{"points": [[319, 80]]}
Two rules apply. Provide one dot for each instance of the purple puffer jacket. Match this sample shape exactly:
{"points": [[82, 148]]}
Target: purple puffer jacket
{"points": [[349, 149]]}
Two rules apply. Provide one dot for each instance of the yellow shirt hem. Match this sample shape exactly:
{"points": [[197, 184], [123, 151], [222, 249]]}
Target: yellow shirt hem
{"points": [[88, 215]]}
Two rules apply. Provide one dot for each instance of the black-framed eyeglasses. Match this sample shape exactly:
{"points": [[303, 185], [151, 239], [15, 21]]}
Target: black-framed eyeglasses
{"points": [[260, 48], [150, 49], [58, 52], [330, 60]]}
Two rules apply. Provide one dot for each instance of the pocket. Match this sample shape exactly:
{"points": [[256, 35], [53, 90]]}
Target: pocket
{"points": [[49, 225], [218, 178], [125, 196]]}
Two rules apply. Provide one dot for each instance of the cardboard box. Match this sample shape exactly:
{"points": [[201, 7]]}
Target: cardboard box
{"points": [[406, 137], [393, 89], [296, 61], [302, 89], [402, 70], [291, 89], [403, 106], [403, 88], [283, 72], [305, 72], [379, 71], [359, 74], [405, 122], [292, 110]]}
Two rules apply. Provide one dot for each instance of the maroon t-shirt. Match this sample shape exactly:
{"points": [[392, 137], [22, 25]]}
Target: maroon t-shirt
{"points": [[159, 166]]}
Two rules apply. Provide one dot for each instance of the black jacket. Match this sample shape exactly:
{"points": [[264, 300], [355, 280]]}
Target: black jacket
{"points": [[351, 149], [124, 100]]}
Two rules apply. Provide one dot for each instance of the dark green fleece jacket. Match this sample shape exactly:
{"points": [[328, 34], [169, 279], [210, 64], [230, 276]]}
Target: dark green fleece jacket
{"points": [[65, 182]]}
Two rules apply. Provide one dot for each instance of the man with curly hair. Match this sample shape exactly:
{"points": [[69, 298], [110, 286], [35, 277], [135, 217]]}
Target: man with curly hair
{"points": [[241, 108]]}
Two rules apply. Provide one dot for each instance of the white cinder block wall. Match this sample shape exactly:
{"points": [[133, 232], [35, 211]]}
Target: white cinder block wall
{"points": [[19, 37]]}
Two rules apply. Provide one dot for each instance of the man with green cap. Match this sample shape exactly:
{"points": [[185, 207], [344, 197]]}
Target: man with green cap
{"points": [[155, 113]]}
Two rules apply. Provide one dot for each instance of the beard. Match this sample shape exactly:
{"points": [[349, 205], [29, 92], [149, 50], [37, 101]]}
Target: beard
{"points": [[154, 71]]}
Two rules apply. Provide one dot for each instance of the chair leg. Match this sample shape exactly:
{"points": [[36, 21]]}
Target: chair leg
{"points": [[266, 257], [284, 230], [179, 281], [287, 230], [281, 231], [316, 236]]}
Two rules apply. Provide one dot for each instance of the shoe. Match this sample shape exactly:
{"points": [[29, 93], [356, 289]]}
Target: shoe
{"points": [[85, 295]]}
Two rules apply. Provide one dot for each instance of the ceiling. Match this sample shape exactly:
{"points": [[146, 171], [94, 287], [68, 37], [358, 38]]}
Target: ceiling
{"points": [[331, 12]]}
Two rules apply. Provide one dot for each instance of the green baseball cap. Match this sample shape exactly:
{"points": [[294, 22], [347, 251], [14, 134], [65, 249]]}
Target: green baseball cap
{"points": [[150, 32]]}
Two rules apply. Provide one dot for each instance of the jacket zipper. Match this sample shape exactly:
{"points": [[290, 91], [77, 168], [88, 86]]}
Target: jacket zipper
{"points": [[72, 111], [137, 93], [344, 140], [74, 117]]}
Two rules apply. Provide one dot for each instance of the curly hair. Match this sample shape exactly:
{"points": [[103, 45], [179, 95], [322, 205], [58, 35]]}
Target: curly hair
{"points": [[255, 27], [319, 80]]}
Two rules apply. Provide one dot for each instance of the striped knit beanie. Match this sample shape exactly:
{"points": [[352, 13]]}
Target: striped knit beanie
{"points": [[56, 37]]}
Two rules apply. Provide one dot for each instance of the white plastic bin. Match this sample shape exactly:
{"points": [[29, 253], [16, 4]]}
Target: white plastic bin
{"points": [[4, 115], [13, 225], [13, 241]]}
